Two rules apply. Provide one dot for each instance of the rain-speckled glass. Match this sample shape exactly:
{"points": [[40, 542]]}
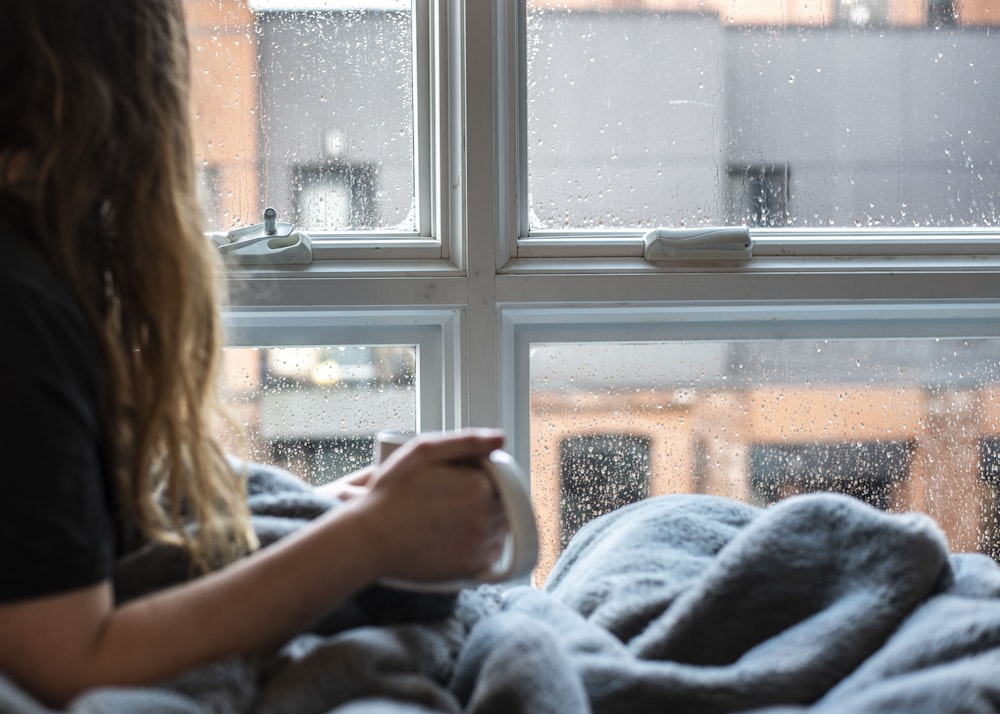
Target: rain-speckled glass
{"points": [[315, 410], [845, 114], [903, 424], [307, 107]]}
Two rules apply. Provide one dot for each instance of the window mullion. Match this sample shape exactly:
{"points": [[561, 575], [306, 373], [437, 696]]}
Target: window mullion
{"points": [[488, 181]]}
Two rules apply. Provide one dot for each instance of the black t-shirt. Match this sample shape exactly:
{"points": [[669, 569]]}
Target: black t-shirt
{"points": [[57, 503]]}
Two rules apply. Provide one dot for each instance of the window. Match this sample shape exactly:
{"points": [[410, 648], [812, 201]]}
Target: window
{"points": [[599, 473], [758, 196], [989, 467], [477, 179], [901, 422], [283, 85], [870, 471], [337, 85], [635, 109]]}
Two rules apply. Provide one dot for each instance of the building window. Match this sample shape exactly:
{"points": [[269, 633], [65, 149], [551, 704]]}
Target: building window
{"points": [[941, 13], [868, 471], [989, 471], [758, 195], [600, 473]]}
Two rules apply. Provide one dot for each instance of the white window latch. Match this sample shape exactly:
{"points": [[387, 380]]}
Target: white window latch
{"points": [[272, 242], [697, 244]]}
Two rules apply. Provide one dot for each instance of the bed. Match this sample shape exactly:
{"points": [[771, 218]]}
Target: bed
{"points": [[680, 603]]}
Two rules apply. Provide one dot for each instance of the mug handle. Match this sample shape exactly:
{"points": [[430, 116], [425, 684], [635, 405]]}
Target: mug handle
{"points": [[520, 552]]}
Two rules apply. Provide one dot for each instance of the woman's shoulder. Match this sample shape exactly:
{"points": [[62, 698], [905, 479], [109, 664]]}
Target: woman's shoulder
{"points": [[37, 304]]}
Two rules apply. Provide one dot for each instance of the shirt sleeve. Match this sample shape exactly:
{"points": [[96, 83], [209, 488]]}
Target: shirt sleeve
{"points": [[56, 526]]}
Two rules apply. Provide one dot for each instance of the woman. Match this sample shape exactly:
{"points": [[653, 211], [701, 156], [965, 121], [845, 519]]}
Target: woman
{"points": [[113, 343]]}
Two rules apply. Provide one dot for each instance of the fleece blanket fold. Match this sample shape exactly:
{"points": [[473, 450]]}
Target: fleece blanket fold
{"points": [[682, 603]]}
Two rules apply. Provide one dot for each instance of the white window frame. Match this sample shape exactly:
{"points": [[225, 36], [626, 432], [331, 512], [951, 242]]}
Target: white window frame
{"points": [[489, 288]]}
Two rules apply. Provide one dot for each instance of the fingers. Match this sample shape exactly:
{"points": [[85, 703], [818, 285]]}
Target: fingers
{"points": [[349, 492], [447, 517], [484, 538], [446, 447]]}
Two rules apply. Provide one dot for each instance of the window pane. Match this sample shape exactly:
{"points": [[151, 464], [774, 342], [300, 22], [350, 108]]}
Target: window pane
{"points": [[849, 113], [904, 424], [306, 107], [315, 410]]}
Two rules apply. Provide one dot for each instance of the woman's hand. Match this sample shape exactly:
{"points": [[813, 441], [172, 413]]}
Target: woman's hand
{"points": [[440, 516]]}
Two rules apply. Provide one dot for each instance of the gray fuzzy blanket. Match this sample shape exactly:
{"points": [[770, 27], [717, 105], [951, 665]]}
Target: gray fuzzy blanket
{"points": [[674, 604]]}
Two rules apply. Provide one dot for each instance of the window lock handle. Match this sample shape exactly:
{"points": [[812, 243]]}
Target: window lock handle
{"points": [[271, 242], [698, 244]]}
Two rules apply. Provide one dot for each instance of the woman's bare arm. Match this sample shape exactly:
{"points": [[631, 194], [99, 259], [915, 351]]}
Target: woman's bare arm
{"points": [[429, 515]]}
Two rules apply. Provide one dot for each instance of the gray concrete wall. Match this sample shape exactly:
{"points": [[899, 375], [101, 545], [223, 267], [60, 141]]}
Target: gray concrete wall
{"points": [[878, 127], [624, 118]]}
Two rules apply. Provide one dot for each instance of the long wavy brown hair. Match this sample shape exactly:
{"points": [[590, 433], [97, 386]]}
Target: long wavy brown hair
{"points": [[95, 128]]}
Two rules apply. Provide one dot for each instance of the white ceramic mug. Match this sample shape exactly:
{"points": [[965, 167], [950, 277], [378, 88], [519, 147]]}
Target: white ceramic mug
{"points": [[520, 552]]}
